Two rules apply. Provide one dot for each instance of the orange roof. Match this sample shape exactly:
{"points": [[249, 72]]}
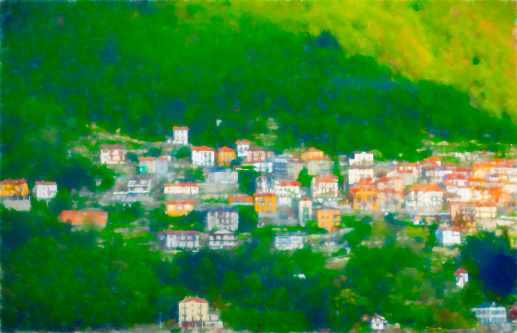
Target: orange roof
{"points": [[240, 198], [181, 202], [326, 179], [77, 217], [450, 228], [145, 158], [13, 182], [314, 150], [242, 142], [453, 176], [317, 158], [163, 158], [433, 159], [459, 271], [264, 194], [203, 148], [45, 183], [226, 149], [290, 183], [185, 128], [195, 299], [426, 188], [306, 199]]}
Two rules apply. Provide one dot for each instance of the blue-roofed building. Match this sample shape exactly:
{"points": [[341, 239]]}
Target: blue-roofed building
{"points": [[488, 313]]}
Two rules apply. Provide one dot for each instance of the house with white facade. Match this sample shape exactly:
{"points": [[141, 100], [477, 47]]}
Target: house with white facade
{"points": [[203, 156], [424, 198], [288, 192], [266, 183], [462, 277], [304, 211], [195, 315], [222, 219], [242, 148], [448, 236], [222, 240], [357, 173], [325, 187], [181, 188], [44, 190], [113, 154], [290, 240], [377, 322], [180, 135], [491, 313], [174, 241], [361, 158], [139, 186]]}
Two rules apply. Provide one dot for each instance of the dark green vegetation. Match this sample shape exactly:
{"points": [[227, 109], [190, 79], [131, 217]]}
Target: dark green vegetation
{"points": [[55, 279], [143, 67]]}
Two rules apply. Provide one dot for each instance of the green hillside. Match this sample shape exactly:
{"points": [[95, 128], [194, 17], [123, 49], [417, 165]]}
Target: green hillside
{"points": [[143, 67]]}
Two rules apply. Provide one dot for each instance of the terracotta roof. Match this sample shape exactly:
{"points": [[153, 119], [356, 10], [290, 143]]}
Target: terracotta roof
{"points": [[226, 149], [306, 199], [290, 183], [326, 179], [203, 148], [145, 158], [316, 158], [455, 176], [78, 217], [264, 194], [314, 150], [426, 188], [163, 158], [13, 182], [45, 183], [195, 299], [185, 128], [450, 228], [460, 271], [181, 202], [459, 169], [242, 142]]}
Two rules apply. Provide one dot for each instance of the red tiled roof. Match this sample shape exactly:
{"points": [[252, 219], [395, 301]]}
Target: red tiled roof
{"points": [[426, 188], [459, 169], [290, 183], [145, 158], [459, 271], [163, 158], [314, 150], [326, 179], [226, 149], [13, 182], [181, 202], [264, 194], [195, 299], [45, 183], [77, 217], [306, 199], [450, 228], [242, 142], [203, 148], [455, 176], [180, 128]]}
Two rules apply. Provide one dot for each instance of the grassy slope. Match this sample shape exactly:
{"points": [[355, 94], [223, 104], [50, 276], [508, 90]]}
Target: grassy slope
{"points": [[422, 40]]}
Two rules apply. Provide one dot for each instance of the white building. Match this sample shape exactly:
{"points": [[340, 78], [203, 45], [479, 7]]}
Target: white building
{"points": [[180, 135], [361, 158], [491, 314], [424, 198], [377, 322], [174, 241], [139, 186], [448, 236], [181, 188], [462, 277], [290, 240], [242, 148], [113, 154], [325, 187], [355, 174], [304, 211], [222, 219], [263, 167], [223, 176], [203, 156], [288, 189], [44, 190], [222, 239], [192, 309]]}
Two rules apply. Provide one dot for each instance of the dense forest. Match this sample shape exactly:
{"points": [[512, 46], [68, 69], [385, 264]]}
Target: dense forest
{"points": [[142, 67]]}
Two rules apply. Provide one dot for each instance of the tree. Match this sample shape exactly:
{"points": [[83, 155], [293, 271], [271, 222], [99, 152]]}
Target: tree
{"points": [[248, 218], [183, 152], [154, 152], [304, 178], [247, 178], [132, 157]]}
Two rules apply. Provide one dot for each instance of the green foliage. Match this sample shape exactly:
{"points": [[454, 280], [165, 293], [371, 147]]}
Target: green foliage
{"points": [[304, 178], [183, 152], [194, 175], [247, 178], [248, 218], [154, 152], [132, 157]]}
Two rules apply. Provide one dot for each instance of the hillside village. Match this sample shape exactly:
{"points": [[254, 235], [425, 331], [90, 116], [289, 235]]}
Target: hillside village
{"points": [[305, 196]]}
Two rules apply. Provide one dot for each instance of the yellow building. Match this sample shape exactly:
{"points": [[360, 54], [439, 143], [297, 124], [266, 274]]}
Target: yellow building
{"points": [[225, 156], [191, 310], [329, 218], [180, 208], [265, 202], [312, 154], [14, 188]]}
